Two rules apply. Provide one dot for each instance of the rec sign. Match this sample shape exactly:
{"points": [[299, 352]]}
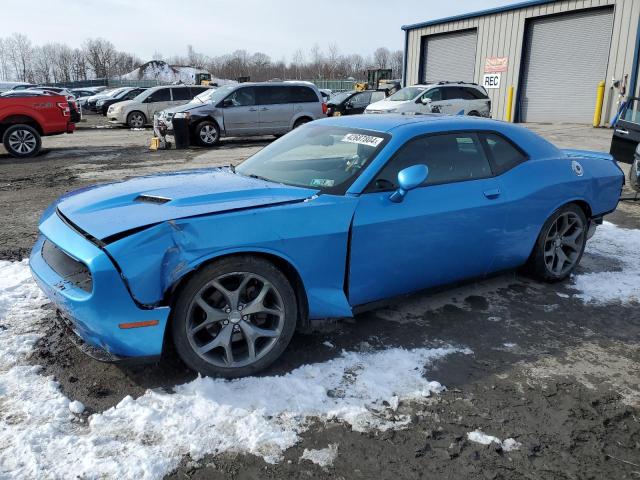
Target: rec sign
{"points": [[491, 80]]}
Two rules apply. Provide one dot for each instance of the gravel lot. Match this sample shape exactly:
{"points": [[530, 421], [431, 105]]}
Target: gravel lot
{"points": [[559, 375]]}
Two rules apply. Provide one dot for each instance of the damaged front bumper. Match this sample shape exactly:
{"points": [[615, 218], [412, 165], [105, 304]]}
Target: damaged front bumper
{"points": [[89, 292]]}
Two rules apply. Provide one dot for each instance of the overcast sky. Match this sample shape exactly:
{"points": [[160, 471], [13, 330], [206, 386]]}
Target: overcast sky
{"points": [[214, 27]]}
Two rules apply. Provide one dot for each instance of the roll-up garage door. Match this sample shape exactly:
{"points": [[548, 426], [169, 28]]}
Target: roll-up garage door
{"points": [[565, 58], [449, 56]]}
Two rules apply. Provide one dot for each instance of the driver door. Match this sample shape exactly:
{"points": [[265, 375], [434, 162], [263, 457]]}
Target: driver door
{"points": [[443, 231], [240, 112], [437, 103]]}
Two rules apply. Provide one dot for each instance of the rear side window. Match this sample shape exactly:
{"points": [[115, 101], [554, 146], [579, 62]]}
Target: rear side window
{"points": [[475, 93], [162, 95], [273, 95], [361, 99], [503, 153], [455, 93], [300, 94], [181, 93], [197, 91], [451, 158]]}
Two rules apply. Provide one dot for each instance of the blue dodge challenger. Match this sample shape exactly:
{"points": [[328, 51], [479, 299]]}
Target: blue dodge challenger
{"points": [[329, 220]]}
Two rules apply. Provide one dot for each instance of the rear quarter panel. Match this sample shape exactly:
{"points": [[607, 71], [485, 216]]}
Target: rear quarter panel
{"points": [[43, 110], [536, 188]]}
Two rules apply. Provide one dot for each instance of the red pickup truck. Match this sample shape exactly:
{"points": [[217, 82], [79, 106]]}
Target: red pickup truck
{"points": [[25, 119]]}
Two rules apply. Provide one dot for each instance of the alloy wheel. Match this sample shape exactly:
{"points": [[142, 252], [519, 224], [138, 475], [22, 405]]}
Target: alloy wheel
{"points": [[235, 319], [564, 243], [208, 134], [137, 121], [22, 141]]}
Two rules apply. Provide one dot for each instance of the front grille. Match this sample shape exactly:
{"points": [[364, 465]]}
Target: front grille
{"points": [[67, 267]]}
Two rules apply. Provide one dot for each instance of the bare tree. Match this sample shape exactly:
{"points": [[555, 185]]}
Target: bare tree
{"points": [[101, 56], [381, 57], [396, 61], [4, 60], [20, 50]]}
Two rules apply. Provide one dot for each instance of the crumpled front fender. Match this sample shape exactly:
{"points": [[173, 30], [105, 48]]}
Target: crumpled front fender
{"points": [[311, 236]]}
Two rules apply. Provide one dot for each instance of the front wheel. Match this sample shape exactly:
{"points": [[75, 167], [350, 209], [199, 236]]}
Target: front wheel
{"points": [[22, 141], [136, 120], [560, 244], [300, 122], [207, 134], [234, 317]]}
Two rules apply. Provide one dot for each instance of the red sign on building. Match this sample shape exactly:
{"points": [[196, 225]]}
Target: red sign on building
{"points": [[496, 64]]}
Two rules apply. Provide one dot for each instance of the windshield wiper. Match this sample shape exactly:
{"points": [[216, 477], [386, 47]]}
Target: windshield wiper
{"points": [[258, 177]]}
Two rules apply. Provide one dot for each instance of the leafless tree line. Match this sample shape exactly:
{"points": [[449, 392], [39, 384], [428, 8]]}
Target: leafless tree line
{"points": [[20, 60], [314, 64]]}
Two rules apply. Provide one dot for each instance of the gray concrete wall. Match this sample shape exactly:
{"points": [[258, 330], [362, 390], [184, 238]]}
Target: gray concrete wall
{"points": [[502, 35]]}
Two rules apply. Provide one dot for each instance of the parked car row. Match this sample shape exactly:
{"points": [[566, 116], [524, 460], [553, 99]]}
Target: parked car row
{"points": [[247, 109]]}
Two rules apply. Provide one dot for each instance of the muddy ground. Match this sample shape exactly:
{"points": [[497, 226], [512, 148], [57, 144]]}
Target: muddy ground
{"points": [[559, 376]]}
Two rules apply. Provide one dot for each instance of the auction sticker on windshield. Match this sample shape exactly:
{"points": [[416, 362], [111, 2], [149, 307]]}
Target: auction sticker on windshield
{"points": [[369, 140]]}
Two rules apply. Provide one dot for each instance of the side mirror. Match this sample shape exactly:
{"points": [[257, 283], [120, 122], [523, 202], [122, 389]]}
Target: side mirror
{"points": [[227, 102], [425, 101], [408, 179]]}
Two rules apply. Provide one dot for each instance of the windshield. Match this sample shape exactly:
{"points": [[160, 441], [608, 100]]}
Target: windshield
{"points": [[408, 93], [340, 97], [204, 97], [315, 156]]}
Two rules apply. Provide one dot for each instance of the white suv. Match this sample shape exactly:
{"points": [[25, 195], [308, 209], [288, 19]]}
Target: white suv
{"points": [[139, 112], [453, 98]]}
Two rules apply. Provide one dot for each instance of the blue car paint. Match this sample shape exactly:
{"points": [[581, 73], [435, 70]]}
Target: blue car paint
{"points": [[437, 234], [97, 314], [105, 210], [311, 236]]}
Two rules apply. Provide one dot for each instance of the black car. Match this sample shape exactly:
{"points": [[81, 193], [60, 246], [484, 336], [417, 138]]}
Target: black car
{"points": [[103, 104], [352, 102], [626, 134]]}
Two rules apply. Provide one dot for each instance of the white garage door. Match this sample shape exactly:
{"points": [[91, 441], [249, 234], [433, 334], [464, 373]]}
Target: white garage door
{"points": [[565, 58], [451, 57]]}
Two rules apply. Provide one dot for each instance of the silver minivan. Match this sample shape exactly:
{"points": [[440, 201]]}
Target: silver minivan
{"points": [[248, 109]]}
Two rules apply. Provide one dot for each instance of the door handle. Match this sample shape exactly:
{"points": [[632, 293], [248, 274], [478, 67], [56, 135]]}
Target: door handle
{"points": [[492, 193], [264, 109], [622, 131], [253, 109]]}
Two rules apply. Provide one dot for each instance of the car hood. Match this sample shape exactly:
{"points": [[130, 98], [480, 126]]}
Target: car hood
{"points": [[387, 105], [125, 103], [106, 210]]}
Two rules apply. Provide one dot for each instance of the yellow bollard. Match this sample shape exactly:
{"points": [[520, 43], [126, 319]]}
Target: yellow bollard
{"points": [[597, 115], [509, 103]]}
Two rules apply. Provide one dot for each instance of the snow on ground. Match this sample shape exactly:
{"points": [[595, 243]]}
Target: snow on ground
{"points": [[623, 286], [145, 438], [323, 457], [482, 438]]}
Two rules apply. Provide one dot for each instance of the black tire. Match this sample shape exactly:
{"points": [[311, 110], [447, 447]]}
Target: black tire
{"points": [[301, 121], [207, 134], [188, 306], [136, 119], [473, 113], [22, 141], [542, 264]]}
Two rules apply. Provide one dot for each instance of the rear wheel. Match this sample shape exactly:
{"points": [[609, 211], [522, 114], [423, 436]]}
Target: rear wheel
{"points": [[234, 317], [473, 113], [300, 122], [22, 141], [560, 244], [207, 134], [136, 120]]}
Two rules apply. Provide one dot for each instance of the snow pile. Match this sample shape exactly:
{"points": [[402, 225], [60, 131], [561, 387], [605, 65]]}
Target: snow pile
{"points": [[323, 457], [163, 72], [482, 438], [622, 245], [147, 437]]}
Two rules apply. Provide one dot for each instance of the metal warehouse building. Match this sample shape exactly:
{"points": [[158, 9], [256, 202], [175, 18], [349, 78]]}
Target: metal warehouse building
{"points": [[553, 53]]}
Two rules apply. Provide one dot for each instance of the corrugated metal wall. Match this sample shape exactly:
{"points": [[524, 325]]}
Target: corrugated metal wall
{"points": [[502, 35]]}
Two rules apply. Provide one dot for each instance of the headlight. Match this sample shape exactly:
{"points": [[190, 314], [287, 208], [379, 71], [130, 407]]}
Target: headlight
{"points": [[100, 102], [181, 115]]}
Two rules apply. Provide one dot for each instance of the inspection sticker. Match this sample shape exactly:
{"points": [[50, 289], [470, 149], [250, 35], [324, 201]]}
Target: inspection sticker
{"points": [[362, 139], [322, 182]]}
